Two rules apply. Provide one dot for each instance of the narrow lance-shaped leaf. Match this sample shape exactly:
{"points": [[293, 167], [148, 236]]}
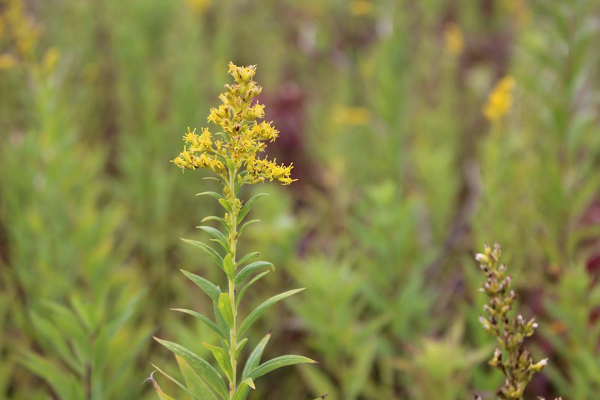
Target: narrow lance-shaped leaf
{"points": [[202, 368], [225, 205], [245, 225], [194, 383], [240, 347], [250, 269], [212, 253], [255, 356], [248, 206], [214, 218], [242, 391], [222, 359], [229, 267], [249, 382], [217, 235], [247, 285], [219, 318], [207, 287], [204, 319], [182, 386], [211, 194], [225, 309], [263, 307], [279, 362], [247, 258]]}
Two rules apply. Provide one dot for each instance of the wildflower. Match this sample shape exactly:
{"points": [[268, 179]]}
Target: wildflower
{"points": [[515, 361], [500, 100], [351, 116], [360, 7], [519, 10], [7, 61], [453, 38], [244, 137], [234, 157], [190, 136], [199, 6]]}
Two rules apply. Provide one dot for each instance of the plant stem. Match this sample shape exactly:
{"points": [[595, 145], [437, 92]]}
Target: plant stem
{"points": [[232, 246]]}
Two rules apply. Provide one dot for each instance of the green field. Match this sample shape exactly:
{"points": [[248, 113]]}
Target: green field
{"points": [[418, 132]]}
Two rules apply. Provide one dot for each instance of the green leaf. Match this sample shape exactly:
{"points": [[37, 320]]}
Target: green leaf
{"points": [[219, 318], [213, 218], [212, 253], [214, 178], [247, 258], [246, 224], [211, 194], [162, 395], [194, 383], [222, 359], [249, 270], [159, 391], [225, 309], [204, 319], [241, 392], [229, 267], [229, 163], [255, 356], [52, 335], [249, 382], [240, 346], [225, 205], [279, 362], [215, 233], [64, 384], [248, 206], [263, 307], [207, 287], [243, 291], [202, 368]]}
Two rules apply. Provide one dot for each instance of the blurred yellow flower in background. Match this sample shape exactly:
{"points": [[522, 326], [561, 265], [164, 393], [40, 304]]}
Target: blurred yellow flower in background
{"points": [[351, 116], [454, 40], [199, 6], [500, 99], [360, 7], [7, 61]]}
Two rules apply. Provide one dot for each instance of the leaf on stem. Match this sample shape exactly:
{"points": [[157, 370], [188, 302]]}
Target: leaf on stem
{"points": [[207, 287], [263, 307]]}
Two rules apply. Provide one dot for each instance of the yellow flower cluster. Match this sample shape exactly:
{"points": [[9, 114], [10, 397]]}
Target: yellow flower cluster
{"points": [[243, 137], [20, 28], [201, 152], [454, 39], [500, 100]]}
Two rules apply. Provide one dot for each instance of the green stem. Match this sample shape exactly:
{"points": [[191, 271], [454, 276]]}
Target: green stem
{"points": [[232, 247]]}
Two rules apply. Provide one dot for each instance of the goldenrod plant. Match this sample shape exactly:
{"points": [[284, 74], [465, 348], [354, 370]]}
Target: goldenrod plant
{"points": [[512, 358], [233, 155]]}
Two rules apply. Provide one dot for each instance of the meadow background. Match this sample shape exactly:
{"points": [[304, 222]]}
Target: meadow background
{"points": [[401, 178]]}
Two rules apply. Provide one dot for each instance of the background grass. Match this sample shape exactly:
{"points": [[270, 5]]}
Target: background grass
{"points": [[400, 180]]}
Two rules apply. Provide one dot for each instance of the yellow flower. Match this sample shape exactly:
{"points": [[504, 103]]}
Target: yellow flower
{"points": [[7, 61], [500, 99], [360, 7], [519, 10], [453, 38], [351, 116], [199, 6], [235, 157], [190, 136]]}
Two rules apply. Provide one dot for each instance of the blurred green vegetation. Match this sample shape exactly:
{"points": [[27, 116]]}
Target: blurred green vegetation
{"points": [[400, 179]]}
